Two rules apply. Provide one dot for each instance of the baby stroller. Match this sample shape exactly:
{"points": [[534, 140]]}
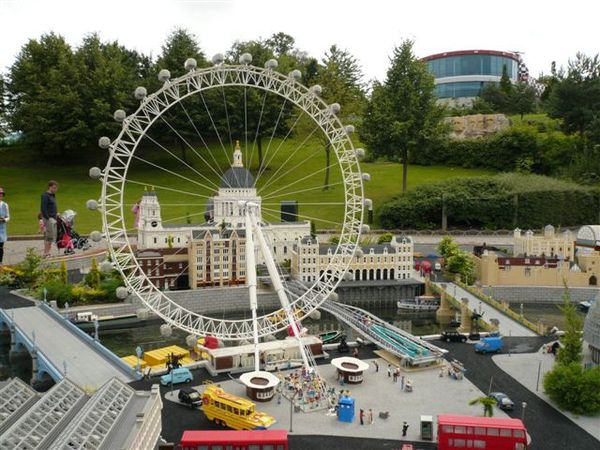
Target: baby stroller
{"points": [[66, 236]]}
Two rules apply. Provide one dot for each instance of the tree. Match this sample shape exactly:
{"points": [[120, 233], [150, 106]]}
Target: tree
{"points": [[281, 43], [64, 277], [572, 343], [487, 403], [3, 109], [402, 115], [448, 247], [505, 83], [385, 238], [461, 264], [574, 388], [523, 99], [43, 98], [183, 122], [576, 95], [94, 276], [341, 77]]}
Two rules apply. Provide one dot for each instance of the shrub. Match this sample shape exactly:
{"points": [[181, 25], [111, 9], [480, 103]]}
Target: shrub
{"points": [[58, 291], [385, 238], [500, 202], [574, 388]]}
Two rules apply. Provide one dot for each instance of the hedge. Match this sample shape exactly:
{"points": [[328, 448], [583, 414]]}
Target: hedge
{"points": [[500, 202]]}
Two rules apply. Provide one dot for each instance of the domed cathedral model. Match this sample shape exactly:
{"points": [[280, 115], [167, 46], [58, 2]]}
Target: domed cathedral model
{"points": [[165, 249]]}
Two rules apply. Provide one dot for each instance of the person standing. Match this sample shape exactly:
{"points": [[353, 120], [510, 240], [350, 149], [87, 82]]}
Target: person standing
{"points": [[402, 383], [370, 416], [49, 212], [361, 416], [4, 217], [404, 429], [376, 366], [389, 370]]}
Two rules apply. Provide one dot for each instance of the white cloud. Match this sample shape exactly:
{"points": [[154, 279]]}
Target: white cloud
{"points": [[368, 29]]}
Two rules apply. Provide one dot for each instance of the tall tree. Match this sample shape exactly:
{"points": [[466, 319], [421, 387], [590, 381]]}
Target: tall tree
{"points": [[341, 79], [43, 98], [182, 123], [281, 43], [402, 115], [3, 109], [572, 343]]}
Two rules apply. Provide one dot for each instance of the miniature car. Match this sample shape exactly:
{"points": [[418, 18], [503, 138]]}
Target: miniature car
{"points": [[189, 397], [176, 376], [452, 336], [489, 344], [502, 400]]}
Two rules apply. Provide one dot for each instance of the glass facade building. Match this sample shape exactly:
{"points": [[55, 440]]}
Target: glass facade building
{"points": [[463, 74]]}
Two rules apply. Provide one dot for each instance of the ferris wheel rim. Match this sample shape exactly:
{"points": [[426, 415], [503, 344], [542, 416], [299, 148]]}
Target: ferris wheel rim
{"points": [[123, 148]]}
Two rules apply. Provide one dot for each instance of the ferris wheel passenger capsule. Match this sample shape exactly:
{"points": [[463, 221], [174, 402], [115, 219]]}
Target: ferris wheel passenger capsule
{"points": [[96, 236], [365, 228], [368, 203], [360, 152], [366, 176], [316, 90], [164, 75], [271, 64], [245, 58], [218, 59], [295, 74], [140, 92], [122, 293], [190, 64], [359, 253], [95, 173], [349, 129], [334, 108], [104, 142], [106, 267], [92, 205], [119, 115]]}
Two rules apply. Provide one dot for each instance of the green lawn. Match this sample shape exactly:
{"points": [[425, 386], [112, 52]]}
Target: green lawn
{"points": [[300, 177]]}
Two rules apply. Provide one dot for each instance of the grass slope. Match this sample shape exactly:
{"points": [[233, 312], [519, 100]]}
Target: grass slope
{"points": [[296, 172]]}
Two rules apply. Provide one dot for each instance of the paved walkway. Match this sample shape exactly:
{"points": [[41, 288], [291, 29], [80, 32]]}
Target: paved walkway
{"points": [[85, 366], [524, 369], [508, 326]]}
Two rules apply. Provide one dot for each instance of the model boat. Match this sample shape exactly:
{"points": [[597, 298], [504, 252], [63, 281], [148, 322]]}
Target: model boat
{"points": [[419, 303]]}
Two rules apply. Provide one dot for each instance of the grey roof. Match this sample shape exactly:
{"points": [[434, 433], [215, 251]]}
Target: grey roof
{"points": [[150, 194], [237, 177], [199, 234]]}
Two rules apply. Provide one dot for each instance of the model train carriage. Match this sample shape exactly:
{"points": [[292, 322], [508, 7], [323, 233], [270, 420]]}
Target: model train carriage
{"points": [[232, 411]]}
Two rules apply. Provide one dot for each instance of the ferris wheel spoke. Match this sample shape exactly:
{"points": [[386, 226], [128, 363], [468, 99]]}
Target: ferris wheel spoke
{"points": [[280, 145], [220, 171], [308, 204], [267, 197], [310, 175], [275, 212], [164, 169], [165, 188], [229, 162], [263, 166], [227, 117], [184, 162], [262, 109], [313, 154]]}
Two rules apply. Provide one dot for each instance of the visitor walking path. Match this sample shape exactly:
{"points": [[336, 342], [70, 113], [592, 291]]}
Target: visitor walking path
{"points": [[508, 326], [524, 369]]}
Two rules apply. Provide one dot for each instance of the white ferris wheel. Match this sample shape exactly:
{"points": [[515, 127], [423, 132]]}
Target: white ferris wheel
{"points": [[131, 166]]}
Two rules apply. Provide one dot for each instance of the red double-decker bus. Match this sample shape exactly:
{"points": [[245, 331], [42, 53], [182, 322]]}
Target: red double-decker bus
{"points": [[463, 432], [234, 440]]}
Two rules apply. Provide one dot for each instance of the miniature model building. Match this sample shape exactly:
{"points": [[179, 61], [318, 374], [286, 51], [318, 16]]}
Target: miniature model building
{"points": [[213, 250], [393, 261], [547, 269], [548, 244]]}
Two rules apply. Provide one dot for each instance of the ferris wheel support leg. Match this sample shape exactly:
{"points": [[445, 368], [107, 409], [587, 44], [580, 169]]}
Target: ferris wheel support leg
{"points": [[278, 285], [251, 281]]}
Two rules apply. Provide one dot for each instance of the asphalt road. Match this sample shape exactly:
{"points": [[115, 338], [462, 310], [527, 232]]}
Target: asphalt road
{"points": [[548, 428]]}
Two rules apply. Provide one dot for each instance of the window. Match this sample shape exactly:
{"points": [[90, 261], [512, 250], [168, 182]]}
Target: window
{"points": [[458, 442], [493, 431], [505, 432], [459, 429], [527, 272], [480, 431], [478, 444], [519, 433]]}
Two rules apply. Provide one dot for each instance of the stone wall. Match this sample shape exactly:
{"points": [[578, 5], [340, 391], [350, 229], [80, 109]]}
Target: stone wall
{"points": [[539, 294], [476, 125]]}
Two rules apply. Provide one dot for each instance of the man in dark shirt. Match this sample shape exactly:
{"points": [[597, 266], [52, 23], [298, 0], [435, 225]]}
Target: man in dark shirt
{"points": [[49, 212]]}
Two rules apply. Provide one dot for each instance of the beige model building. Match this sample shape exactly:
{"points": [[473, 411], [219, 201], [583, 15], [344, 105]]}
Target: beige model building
{"points": [[548, 244], [550, 261], [393, 261]]}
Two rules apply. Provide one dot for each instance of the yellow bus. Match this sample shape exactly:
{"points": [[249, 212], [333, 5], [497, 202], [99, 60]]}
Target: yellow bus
{"points": [[232, 411]]}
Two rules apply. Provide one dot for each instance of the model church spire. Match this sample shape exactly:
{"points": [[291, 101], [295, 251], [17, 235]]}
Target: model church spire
{"points": [[237, 156]]}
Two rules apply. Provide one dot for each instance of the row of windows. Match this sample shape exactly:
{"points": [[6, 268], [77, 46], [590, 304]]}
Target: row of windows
{"points": [[231, 447], [453, 66], [460, 89], [482, 431]]}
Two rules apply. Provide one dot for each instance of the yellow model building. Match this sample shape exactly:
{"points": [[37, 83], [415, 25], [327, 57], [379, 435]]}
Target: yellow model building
{"points": [[232, 411]]}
